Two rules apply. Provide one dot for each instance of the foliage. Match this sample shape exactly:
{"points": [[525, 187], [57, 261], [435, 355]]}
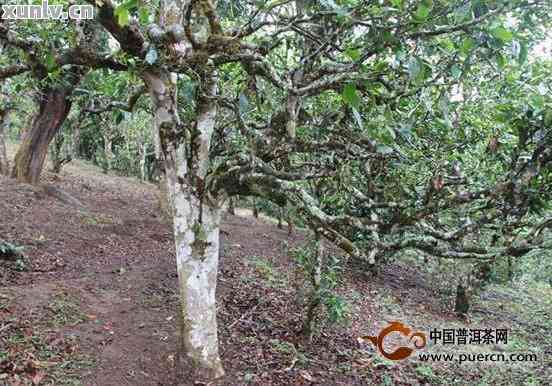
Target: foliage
{"points": [[14, 253], [336, 308], [9, 250]]}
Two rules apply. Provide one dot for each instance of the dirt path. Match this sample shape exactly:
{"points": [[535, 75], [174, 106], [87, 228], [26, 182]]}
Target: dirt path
{"points": [[114, 258]]}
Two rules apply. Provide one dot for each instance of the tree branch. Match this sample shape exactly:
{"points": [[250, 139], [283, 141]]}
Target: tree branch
{"points": [[13, 70]]}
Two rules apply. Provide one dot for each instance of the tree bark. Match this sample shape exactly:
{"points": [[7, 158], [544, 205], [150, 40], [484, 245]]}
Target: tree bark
{"points": [[4, 124], [510, 262], [462, 303], [143, 151], [255, 208], [165, 206], [231, 207], [196, 220], [75, 147], [316, 281], [54, 105], [57, 158], [163, 197], [289, 224], [109, 156], [76, 134]]}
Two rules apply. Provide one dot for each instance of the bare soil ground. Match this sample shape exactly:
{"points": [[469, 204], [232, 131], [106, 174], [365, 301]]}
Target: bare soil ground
{"points": [[94, 301]]}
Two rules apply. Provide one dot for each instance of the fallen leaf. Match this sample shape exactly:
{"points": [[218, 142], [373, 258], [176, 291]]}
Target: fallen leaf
{"points": [[305, 375], [38, 377]]}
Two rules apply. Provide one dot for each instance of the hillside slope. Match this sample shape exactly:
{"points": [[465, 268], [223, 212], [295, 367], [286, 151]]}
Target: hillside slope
{"points": [[94, 301]]}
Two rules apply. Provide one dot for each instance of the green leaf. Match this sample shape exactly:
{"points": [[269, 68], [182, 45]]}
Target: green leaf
{"points": [[381, 66], [447, 44], [350, 95], [151, 56], [188, 89], [467, 45], [143, 15], [548, 117], [50, 62], [502, 34], [352, 53], [388, 37], [391, 132], [456, 71], [500, 61], [537, 103], [423, 10], [122, 14], [118, 117]]}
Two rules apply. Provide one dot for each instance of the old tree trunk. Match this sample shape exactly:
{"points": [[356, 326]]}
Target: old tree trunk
{"points": [[196, 219], [54, 104], [4, 124]]}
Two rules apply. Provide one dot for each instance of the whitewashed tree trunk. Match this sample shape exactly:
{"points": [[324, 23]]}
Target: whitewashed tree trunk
{"points": [[75, 139], [197, 239], [108, 150], [143, 151], [196, 219]]}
